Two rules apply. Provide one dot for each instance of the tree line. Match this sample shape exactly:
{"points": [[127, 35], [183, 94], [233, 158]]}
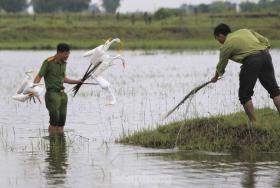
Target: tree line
{"points": [[110, 6], [217, 7], [50, 6], [227, 6], [262, 5]]}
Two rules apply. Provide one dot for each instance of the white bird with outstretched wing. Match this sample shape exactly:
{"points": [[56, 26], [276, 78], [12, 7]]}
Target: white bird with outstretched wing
{"points": [[99, 54], [28, 89]]}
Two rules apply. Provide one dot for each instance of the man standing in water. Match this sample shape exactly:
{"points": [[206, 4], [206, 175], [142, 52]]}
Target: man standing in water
{"points": [[251, 50], [53, 70]]}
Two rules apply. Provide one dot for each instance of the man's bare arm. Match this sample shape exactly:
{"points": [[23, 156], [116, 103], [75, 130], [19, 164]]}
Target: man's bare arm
{"points": [[37, 79], [69, 81]]}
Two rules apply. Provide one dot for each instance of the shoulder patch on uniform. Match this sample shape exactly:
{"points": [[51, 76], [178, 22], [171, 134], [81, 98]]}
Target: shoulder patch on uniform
{"points": [[50, 59]]}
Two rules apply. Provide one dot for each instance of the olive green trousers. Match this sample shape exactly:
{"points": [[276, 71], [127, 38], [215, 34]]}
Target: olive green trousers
{"points": [[56, 103]]}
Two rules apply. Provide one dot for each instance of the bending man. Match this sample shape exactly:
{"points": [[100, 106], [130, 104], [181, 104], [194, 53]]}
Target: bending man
{"points": [[251, 50]]}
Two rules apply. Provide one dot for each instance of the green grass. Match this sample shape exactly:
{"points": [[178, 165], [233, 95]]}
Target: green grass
{"points": [[84, 31], [219, 133]]}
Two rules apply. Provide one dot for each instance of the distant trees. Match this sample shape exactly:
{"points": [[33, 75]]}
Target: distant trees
{"points": [[50, 6], [111, 6], [13, 5], [215, 7], [164, 13], [203, 8], [41, 6], [276, 5], [226, 7], [261, 6], [248, 7], [94, 8], [75, 5], [220, 6]]}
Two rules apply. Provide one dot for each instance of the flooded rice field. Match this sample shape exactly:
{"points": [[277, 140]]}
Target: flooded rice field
{"points": [[86, 155]]}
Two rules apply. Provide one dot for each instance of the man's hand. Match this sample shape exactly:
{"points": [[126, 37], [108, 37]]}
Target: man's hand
{"points": [[215, 78]]}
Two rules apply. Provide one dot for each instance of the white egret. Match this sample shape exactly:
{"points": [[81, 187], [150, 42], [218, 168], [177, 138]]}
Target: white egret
{"points": [[101, 61], [104, 84], [107, 61], [27, 82], [97, 53], [28, 89]]}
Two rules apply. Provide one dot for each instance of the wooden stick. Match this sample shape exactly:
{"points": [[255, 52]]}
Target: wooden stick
{"points": [[192, 92]]}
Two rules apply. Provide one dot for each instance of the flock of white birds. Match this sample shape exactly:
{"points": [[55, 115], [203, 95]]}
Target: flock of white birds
{"points": [[28, 90]]}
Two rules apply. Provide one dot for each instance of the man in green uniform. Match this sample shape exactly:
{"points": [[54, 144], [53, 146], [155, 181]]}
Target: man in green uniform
{"points": [[53, 70], [251, 50]]}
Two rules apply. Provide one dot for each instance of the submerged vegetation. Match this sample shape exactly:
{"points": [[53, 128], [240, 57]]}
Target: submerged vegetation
{"points": [[220, 133], [137, 31]]}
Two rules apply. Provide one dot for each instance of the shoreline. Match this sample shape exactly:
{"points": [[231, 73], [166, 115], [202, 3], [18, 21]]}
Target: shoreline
{"points": [[187, 45], [228, 133]]}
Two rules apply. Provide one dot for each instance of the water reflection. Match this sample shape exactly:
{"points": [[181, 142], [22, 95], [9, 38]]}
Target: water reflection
{"points": [[56, 159], [252, 169], [249, 178]]}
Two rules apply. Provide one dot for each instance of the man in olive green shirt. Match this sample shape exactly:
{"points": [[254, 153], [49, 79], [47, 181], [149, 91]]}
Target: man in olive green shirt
{"points": [[251, 50], [53, 70]]}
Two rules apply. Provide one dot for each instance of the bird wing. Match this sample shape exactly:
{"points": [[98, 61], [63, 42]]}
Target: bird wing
{"points": [[22, 87]]}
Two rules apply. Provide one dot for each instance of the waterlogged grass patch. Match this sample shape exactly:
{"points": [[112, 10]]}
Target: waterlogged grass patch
{"points": [[220, 133]]}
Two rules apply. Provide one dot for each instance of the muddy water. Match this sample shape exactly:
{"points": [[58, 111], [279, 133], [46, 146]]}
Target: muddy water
{"points": [[86, 154]]}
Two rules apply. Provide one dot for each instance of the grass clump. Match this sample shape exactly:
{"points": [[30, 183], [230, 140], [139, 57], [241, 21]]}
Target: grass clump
{"points": [[219, 133]]}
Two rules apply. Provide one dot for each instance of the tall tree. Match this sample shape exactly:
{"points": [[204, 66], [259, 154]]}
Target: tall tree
{"points": [[220, 6], [275, 5], [248, 6], [13, 5], [111, 6], [264, 4], [41, 6], [75, 5], [203, 8], [217, 7]]}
